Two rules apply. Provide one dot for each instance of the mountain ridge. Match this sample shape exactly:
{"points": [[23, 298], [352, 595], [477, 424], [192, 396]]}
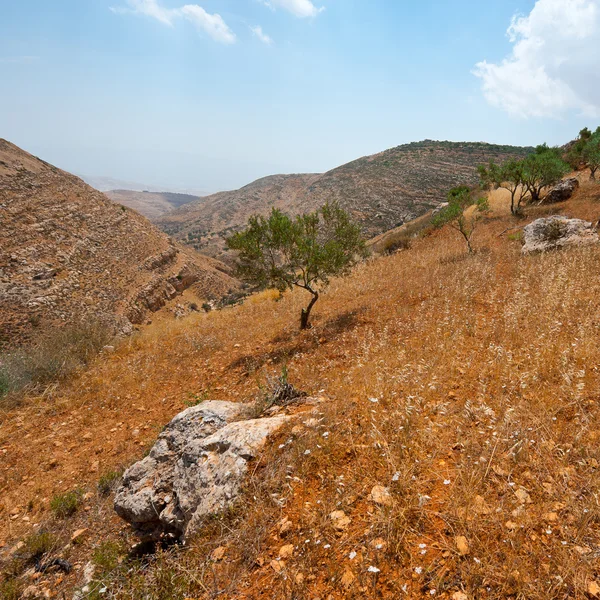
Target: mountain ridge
{"points": [[381, 191]]}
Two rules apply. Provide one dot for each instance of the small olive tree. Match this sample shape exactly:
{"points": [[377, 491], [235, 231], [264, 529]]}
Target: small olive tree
{"points": [[304, 252], [542, 169], [509, 176], [460, 199]]}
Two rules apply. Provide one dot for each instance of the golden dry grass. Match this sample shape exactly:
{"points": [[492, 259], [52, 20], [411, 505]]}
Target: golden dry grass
{"points": [[467, 385]]}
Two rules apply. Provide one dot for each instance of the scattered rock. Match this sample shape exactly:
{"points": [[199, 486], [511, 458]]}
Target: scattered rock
{"points": [[523, 496], [561, 192], [284, 526], [78, 535], [459, 596], [593, 589], [558, 232], [340, 520], [218, 553], [462, 545], [286, 551], [195, 469], [381, 495], [511, 525]]}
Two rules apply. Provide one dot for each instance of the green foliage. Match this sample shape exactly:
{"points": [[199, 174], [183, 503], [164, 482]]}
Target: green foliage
{"points": [[574, 156], [108, 555], [459, 200], [53, 356], [38, 544], [306, 251], [108, 481], [526, 178], [66, 505], [591, 153], [11, 589], [542, 169]]}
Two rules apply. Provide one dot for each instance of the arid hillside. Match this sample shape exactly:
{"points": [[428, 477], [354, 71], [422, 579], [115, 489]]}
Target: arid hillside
{"points": [[380, 191], [68, 253], [150, 204], [454, 453]]}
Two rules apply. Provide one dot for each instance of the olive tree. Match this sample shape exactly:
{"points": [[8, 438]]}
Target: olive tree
{"points": [[460, 199], [591, 153], [508, 176], [542, 169], [303, 252]]}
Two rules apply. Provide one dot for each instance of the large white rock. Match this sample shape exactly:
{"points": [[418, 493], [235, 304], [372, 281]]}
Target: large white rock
{"points": [[195, 469], [558, 232]]}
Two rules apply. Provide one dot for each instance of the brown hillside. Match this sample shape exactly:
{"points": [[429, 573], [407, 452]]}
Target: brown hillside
{"points": [[381, 191], [67, 251], [467, 385], [150, 204]]}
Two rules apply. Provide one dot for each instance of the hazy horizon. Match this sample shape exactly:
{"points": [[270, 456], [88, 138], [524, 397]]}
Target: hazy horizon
{"points": [[214, 95]]}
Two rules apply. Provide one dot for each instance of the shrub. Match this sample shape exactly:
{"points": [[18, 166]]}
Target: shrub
{"points": [[108, 555], [108, 482], [53, 356], [304, 252], [66, 505], [38, 544]]}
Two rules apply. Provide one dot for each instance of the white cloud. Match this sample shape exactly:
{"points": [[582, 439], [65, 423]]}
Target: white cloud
{"points": [[212, 25], [554, 65], [261, 35], [150, 8], [299, 8]]}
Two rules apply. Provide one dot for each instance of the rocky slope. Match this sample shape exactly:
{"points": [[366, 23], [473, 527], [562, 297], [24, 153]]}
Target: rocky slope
{"points": [[151, 204], [381, 191], [66, 251]]}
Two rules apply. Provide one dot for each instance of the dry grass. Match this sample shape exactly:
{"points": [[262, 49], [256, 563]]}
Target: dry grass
{"points": [[468, 386]]}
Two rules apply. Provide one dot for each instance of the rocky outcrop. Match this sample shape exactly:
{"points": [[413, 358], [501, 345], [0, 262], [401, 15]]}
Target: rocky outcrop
{"points": [[68, 254], [562, 191], [195, 469], [558, 232]]}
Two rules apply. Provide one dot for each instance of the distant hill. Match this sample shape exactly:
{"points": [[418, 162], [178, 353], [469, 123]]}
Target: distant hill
{"points": [[151, 204], [68, 252], [381, 191]]}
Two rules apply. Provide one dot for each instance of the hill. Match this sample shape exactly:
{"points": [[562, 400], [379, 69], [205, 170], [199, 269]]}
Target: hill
{"points": [[151, 204], [466, 385], [381, 191], [68, 253]]}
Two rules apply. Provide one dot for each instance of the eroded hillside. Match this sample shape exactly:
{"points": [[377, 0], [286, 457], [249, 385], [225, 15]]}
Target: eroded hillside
{"points": [[69, 253], [380, 191], [464, 386], [151, 204]]}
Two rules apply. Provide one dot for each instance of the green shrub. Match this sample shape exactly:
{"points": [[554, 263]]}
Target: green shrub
{"points": [[108, 482], [66, 505], [53, 356], [10, 589], [38, 544], [108, 555]]}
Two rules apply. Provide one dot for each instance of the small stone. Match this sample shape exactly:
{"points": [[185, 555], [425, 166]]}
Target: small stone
{"points": [[286, 551], [511, 525], [459, 596], [379, 544], [462, 545], [340, 520], [218, 553], [551, 517], [593, 589], [381, 495], [347, 579], [86, 436], [277, 566], [78, 535], [480, 506], [523, 496], [285, 526]]}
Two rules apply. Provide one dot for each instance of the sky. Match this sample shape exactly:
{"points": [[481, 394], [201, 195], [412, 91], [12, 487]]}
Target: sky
{"points": [[212, 95]]}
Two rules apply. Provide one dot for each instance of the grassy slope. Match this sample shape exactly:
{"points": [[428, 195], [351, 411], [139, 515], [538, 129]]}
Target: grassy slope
{"points": [[484, 368]]}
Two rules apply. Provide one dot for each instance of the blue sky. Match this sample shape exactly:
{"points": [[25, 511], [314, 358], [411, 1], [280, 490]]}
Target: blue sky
{"points": [[196, 97]]}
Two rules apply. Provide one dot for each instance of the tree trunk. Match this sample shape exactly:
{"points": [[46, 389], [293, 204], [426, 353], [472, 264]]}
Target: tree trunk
{"points": [[305, 315], [593, 175]]}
